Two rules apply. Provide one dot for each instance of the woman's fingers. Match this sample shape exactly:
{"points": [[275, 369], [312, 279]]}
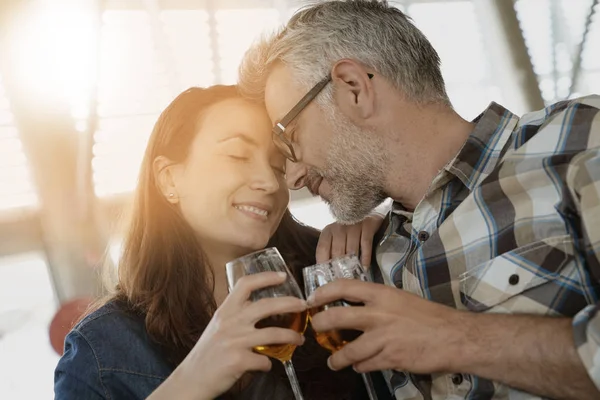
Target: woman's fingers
{"points": [[281, 308], [249, 283], [274, 336], [258, 362]]}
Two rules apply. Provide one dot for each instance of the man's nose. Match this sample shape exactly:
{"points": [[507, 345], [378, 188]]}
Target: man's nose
{"points": [[295, 175]]}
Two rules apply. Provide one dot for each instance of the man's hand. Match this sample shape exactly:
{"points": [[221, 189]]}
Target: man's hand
{"points": [[407, 333], [401, 331], [337, 240]]}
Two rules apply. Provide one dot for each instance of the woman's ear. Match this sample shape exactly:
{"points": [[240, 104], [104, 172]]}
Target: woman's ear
{"points": [[163, 169]]}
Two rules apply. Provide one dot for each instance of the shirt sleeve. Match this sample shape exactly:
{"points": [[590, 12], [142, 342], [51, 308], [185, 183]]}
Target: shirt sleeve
{"points": [[383, 209], [584, 183], [77, 375]]}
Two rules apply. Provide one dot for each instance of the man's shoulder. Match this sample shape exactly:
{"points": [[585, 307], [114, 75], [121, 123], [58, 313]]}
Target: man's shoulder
{"points": [[565, 126], [560, 109]]}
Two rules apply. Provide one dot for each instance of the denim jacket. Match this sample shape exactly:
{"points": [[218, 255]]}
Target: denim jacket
{"points": [[108, 355]]}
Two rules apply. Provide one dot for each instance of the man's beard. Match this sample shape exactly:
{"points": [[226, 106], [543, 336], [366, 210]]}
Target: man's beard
{"points": [[355, 169]]}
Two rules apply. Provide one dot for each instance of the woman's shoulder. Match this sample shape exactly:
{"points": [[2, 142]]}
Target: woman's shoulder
{"points": [[108, 354], [106, 318], [118, 339]]}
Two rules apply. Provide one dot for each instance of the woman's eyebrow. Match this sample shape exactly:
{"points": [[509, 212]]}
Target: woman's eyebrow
{"points": [[242, 136]]}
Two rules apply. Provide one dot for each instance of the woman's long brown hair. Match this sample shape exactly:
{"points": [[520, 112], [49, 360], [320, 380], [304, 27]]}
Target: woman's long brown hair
{"points": [[162, 274]]}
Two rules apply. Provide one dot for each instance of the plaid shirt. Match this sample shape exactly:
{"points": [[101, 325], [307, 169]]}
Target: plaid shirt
{"points": [[511, 225]]}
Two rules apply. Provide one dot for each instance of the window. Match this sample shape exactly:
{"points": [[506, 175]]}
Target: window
{"points": [[16, 184], [27, 305]]}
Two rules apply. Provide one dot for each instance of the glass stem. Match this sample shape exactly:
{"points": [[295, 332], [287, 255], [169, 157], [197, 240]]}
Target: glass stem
{"points": [[369, 385], [291, 373]]}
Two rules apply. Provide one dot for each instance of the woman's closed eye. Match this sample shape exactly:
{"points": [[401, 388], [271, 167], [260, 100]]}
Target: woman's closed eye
{"points": [[239, 157], [238, 154]]}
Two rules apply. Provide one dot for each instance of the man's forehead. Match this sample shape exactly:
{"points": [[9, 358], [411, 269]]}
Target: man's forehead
{"points": [[281, 93]]}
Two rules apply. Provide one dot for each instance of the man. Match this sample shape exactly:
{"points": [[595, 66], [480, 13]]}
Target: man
{"points": [[494, 233]]}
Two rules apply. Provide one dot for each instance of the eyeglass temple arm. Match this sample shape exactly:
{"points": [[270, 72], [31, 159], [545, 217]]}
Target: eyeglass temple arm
{"points": [[305, 100]]}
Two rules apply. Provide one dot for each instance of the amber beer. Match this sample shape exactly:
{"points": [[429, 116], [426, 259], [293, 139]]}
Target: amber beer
{"points": [[336, 339], [293, 321]]}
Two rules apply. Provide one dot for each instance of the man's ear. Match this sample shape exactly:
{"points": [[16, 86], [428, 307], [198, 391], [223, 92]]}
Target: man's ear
{"points": [[164, 171], [354, 92]]}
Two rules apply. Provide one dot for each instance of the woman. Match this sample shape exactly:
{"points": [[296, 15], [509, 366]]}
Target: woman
{"points": [[211, 189]]}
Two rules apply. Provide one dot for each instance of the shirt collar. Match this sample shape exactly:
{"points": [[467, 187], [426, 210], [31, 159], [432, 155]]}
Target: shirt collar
{"points": [[484, 147], [479, 154]]}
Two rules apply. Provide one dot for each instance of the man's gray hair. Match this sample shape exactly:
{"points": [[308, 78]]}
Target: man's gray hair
{"points": [[371, 32]]}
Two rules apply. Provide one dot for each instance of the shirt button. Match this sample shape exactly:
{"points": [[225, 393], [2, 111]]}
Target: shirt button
{"points": [[513, 279], [457, 379], [423, 236]]}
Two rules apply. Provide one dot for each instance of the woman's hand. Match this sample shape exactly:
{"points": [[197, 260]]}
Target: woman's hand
{"points": [[224, 351]]}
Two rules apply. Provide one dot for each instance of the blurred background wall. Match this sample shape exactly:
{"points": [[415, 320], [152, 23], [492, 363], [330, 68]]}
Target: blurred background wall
{"points": [[83, 81]]}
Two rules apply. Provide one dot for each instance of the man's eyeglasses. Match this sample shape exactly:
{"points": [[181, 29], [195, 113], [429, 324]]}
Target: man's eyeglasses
{"points": [[281, 140]]}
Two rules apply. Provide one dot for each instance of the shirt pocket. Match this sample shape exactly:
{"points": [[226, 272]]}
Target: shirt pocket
{"points": [[520, 272]]}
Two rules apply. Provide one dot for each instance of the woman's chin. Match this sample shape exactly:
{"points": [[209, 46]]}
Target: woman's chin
{"points": [[253, 243]]}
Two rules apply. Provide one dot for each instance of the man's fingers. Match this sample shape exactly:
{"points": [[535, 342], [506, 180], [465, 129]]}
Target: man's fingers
{"points": [[338, 242], [353, 238], [324, 246], [366, 347], [335, 318], [376, 363], [348, 289], [366, 248]]}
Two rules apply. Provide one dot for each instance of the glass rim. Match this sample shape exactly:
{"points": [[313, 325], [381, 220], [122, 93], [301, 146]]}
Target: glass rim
{"points": [[266, 250], [334, 266], [336, 259]]}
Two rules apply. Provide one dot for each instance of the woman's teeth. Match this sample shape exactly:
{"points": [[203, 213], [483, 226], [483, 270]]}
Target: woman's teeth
{"points": [[253, 210]]}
